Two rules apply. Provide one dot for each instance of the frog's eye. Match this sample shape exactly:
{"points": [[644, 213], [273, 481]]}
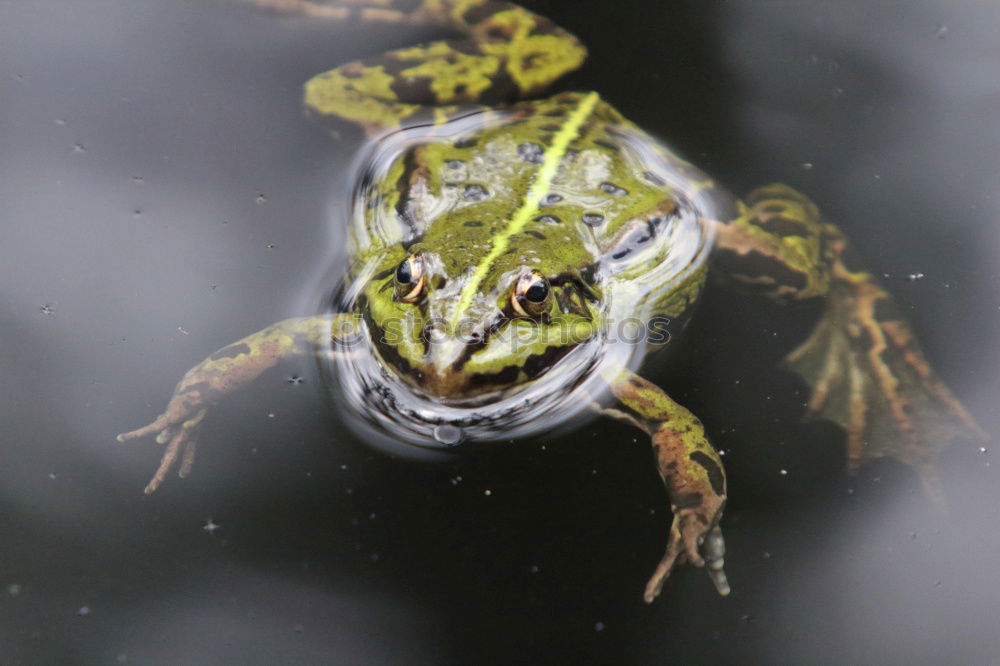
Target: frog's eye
{"points": [[410, 279], [530, 297]]}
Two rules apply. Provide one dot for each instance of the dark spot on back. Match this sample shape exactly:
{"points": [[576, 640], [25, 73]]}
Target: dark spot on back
{"points": [[473, 223], [551, 199], [592, 219], [550, 128], [530, 152], [475, 192], [547, 219], [536, 234], [607, 145], [611, 188], [467, 142]]}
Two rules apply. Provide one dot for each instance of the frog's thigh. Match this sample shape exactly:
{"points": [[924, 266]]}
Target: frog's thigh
{"points": [[506, 53], [778, 245]]}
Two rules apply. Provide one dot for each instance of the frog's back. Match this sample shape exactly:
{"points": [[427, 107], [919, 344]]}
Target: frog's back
{"points": [[564, 185]]}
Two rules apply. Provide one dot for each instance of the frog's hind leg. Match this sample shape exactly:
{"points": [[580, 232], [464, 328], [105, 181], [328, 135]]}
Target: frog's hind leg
{"points": [[862, 362], [504, 52]]}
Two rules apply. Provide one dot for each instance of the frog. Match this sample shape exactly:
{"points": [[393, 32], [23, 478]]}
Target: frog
{"points": [[499, 242]]}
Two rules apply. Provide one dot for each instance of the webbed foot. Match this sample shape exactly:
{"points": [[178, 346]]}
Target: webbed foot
{"points": [[868, 375]]}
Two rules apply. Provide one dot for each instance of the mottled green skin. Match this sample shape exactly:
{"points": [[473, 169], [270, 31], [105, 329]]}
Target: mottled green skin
{"points": [[862, 363], [607, 199]]}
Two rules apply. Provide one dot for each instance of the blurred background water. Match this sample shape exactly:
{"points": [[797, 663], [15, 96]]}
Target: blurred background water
{"points": [[162, 196]]}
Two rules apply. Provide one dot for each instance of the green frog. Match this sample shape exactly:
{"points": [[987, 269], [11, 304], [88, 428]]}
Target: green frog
{"points": [[514, 260]]}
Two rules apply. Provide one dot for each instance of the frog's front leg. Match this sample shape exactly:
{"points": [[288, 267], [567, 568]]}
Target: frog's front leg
{"points": [[228, 369], [691, 471], [862, 362]]}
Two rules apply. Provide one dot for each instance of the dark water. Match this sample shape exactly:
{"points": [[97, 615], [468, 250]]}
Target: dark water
{"points": [[162, 196]]}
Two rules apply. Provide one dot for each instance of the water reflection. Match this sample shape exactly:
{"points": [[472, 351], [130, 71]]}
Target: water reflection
{"points": [[447, 351]]}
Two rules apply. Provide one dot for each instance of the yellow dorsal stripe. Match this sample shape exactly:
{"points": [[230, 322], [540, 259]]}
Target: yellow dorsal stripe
{"points": [[538, 189]]}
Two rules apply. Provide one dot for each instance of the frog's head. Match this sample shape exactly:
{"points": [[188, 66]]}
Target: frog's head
{"points": [[458, 327]]}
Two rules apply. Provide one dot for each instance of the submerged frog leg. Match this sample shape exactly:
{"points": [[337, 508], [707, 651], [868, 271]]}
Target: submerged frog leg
{"points": [[862, 360], [231, 368], [505, 52], [691, 471]]}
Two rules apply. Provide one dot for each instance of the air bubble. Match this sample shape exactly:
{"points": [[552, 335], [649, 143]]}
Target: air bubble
{"points": [[448, 435]]}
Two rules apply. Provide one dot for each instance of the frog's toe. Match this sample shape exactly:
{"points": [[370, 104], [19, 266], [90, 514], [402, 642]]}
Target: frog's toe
{"points": [[180, 438], [696, 539], [158, 427], [181, 444]]}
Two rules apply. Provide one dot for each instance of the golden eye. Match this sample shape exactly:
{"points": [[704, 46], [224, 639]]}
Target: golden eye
{"points": [[410, 279], [530, 297]]}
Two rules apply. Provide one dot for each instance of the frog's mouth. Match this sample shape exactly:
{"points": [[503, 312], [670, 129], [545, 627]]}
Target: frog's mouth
{"points": [[409, 404], [445, 374]]}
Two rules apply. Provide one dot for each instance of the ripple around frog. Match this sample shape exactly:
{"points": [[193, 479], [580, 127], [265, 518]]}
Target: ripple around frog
{"points": [[391, 413]]}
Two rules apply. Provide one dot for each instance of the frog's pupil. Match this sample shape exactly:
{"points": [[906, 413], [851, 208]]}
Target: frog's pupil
{"points": [[537, 292], [403, 273]]}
